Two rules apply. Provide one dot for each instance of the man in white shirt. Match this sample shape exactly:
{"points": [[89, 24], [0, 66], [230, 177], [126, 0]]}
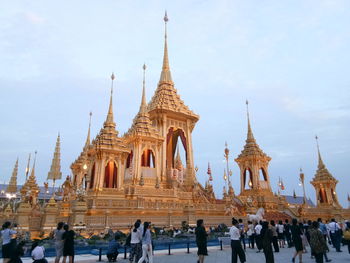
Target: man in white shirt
{"points": [[38, 253], [334, 231], [258, 239], [236, 246]]}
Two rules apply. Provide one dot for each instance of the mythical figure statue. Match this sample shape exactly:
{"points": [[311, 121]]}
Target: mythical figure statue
{"points": [[258, 216]]}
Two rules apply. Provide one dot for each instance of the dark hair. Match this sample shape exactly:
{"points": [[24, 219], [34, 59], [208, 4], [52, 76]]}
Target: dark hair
{"points": [[240, 220], [66, 227], [319, 220], [234, 221], [280, 222], [34, 245], [136, 226], [272, 222], [145, 226], [333, 220], [60, 225], [139, 221], [7, 224], [249, 222], [309, 222], [286, 221], [265, 224], [199, 222], [294, 221], [116, 236], [315, 224]]}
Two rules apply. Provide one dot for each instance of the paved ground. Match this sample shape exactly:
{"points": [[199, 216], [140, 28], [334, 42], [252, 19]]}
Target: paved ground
{"points": [[218, 256]]}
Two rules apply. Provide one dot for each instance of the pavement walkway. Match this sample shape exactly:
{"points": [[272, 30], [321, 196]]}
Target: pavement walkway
{"points": [[218, 256]]}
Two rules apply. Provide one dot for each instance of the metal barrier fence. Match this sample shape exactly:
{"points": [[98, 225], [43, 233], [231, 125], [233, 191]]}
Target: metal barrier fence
{"points": [[100, 249]]}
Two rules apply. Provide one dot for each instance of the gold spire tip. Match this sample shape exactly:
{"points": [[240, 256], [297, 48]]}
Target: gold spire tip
{"points": [[166, 19], [112, 76]]}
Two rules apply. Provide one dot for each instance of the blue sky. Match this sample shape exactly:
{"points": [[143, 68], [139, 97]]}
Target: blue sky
{"points": [[290, 59]]}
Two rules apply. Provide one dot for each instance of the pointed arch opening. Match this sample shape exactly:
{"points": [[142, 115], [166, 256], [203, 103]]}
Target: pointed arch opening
{"points": [[172, 141], [248, 179], [111, 171], [262, 175], [148, 159], [92, 177], [323, 196], [129, 159]]}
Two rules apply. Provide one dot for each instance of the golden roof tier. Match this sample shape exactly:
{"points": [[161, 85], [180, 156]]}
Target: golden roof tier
{"points": [[12, 187], [251, 148], [325, 184], [253, 164], [166, 97], [108, 139], [30, 190], [55, 170], [142, 125]]}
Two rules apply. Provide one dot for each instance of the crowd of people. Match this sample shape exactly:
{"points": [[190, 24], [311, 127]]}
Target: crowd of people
{"points": [[12, 251], [268, 237]]}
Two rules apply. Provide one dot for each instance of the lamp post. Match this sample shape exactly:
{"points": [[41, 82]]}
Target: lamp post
{"points": [[226, 155], [302, 180]]}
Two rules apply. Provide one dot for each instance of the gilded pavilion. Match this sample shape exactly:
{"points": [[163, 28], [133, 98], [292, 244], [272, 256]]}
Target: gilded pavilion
{"points": [[117, 179]]}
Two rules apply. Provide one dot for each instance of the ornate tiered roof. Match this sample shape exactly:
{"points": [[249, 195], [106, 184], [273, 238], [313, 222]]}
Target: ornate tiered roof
{"points": [[166, 97], [30, 185], [322, 173], [12, 187], [251, 148], [142, 125], [108, 135], [55, 170]]}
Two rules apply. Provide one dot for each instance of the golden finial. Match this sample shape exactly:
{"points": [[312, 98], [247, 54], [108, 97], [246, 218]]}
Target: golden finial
{"points": [[87, 143], [112, 76], [166, 19], [250, 135], [28, 166]]}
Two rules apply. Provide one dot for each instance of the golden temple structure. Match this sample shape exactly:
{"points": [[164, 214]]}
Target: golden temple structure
{"points": [[140, 175]]}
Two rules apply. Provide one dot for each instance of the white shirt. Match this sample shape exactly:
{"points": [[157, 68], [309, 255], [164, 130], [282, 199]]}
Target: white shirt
{"points": [[258, 229], [280, 228], [6, 235], [135, 237], [234, 233], [38, 253], [333, 226]]}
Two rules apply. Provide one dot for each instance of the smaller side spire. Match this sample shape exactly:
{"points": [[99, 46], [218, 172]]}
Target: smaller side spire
{"points": [[320, 161], [55, 170], [12, 187], [250, 136], [87, 143], [143, 106], [28, 166], [110, 119]]}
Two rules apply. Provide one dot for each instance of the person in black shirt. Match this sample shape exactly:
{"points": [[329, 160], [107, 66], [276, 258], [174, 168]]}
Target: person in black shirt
{"points": [[298, 243], [201, 240], [68, 247], [287, 233]]}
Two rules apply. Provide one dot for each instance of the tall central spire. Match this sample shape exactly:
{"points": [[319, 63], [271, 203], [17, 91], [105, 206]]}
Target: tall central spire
{"points": [[165, 76], [110, 119], [250, 136]]}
